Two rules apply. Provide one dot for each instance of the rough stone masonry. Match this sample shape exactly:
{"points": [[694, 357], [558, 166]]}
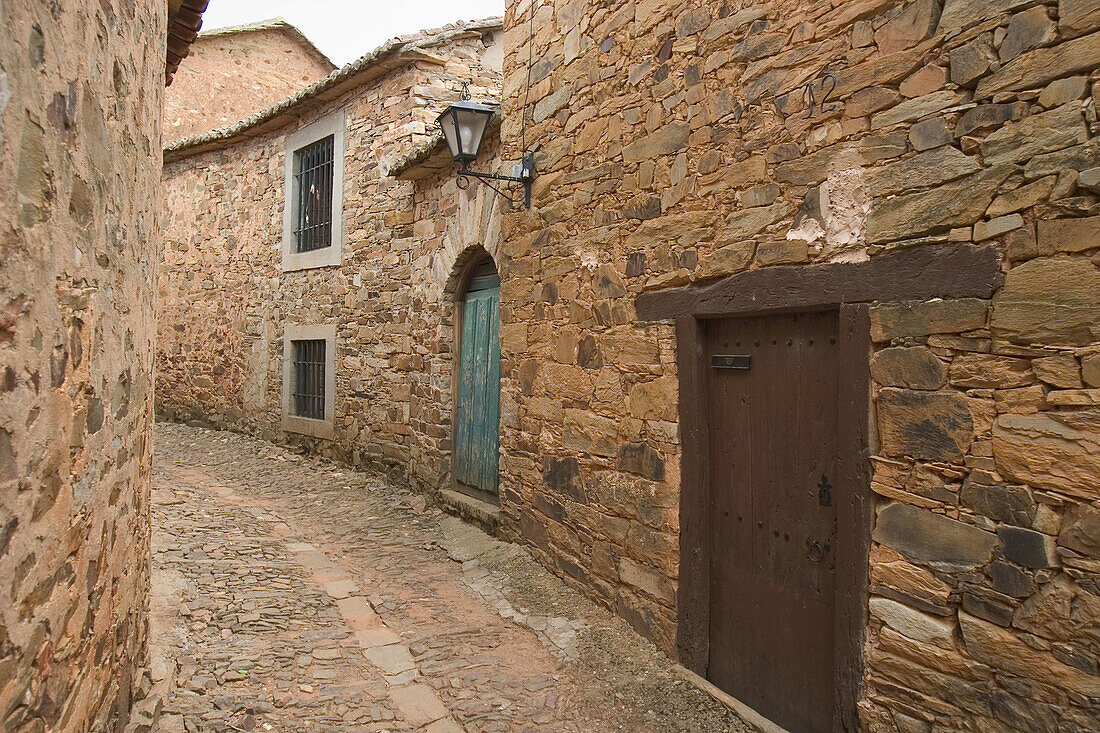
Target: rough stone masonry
{"points": [[677, 143], [225, 301], [231, 73], [81, 87]]}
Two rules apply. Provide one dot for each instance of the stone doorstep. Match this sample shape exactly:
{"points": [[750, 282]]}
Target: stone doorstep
{"points": [[477, 512], [739, 708]]}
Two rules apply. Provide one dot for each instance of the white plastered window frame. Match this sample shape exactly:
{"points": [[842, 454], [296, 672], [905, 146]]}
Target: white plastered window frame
{"points": [[332, 124], [291, 422]]}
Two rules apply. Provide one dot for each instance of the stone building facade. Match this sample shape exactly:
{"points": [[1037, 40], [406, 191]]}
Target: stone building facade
{"points": [[231, 73], [924, 173], [81, 87], [232, 298], [931, 169]]}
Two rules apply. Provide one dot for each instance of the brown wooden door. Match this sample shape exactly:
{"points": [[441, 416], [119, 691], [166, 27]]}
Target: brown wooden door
{"points": [[773, 457]]}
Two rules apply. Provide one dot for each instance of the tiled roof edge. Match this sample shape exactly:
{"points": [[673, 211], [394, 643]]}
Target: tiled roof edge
{"points": [[271, 24], [396, 52], [431, 148], [183, 26]]}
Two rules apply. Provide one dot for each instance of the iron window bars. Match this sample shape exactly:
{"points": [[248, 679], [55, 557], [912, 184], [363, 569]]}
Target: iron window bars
{"points": [[309, 378], [313, 177]]}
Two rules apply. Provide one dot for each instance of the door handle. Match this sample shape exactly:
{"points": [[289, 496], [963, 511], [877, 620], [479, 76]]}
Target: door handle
{"points": [[816, 551]]}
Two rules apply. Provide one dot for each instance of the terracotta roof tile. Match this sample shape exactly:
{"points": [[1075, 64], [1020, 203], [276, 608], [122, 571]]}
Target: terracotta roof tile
{"points": [[183, 25]]}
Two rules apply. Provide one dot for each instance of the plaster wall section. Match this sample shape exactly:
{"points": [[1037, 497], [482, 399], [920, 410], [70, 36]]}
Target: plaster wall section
{"points": [[675, 143], [225, 301], [229, 76], [81, 86]]}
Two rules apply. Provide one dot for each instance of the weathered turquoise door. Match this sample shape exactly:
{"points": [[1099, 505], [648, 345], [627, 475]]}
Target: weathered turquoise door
{"points": [[477, 420]]}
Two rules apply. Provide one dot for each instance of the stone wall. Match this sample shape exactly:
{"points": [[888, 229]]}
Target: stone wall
{"points": [[675, 144], [81, 86], [224, 300], [231, 75]]}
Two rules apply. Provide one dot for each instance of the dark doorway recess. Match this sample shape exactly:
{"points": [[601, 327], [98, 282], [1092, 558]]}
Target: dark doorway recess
{"points": [[777, 435], [477, 409]]}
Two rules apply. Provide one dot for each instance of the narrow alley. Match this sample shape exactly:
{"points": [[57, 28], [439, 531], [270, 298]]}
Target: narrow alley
{"points": [[294, 594]]}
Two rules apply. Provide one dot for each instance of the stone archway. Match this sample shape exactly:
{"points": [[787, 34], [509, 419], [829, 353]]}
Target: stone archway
{"points": [[459, 273], [472, 231], [471, 235]]}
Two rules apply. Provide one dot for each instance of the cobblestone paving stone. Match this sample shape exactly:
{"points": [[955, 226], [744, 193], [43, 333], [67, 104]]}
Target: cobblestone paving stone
{"points": [[295, 594]]}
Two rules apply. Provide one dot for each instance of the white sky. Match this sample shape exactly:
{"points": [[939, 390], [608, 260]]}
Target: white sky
{"points": [[346, 29]]}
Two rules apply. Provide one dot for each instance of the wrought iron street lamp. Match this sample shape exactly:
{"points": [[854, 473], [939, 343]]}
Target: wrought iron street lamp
{"points": [[464, 124]]}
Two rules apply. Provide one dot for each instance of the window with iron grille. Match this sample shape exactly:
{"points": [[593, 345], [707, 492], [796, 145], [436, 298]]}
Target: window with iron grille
{"points": [[313, 175], [309, 378], [313, 196]]}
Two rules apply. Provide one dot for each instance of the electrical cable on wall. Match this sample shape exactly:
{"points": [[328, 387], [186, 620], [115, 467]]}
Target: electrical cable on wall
{"points": [[530, 61]]}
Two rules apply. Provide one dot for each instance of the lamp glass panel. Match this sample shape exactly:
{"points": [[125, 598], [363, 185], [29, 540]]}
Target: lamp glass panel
{"points": [[450, 133], [471, 129]]}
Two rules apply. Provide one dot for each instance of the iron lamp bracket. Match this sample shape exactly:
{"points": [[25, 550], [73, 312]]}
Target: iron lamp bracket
{"points": [[527, 176]]}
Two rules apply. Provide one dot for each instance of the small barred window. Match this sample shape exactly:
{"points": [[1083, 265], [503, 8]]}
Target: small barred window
{"points": [[313, 166], [309, 379]]}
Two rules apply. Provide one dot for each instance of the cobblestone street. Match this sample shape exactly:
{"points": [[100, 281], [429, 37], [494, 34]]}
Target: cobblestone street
{"points": [[294, 594]]}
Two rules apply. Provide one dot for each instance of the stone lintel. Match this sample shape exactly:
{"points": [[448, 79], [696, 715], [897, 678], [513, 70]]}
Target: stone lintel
{"points": [[955, 271]]}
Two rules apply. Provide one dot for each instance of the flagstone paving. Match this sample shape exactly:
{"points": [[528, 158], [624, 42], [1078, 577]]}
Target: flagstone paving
{"points": [[295, 594]]}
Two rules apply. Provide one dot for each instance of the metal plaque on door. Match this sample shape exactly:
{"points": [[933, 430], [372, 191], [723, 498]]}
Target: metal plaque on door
{"points": [[731, 361]]}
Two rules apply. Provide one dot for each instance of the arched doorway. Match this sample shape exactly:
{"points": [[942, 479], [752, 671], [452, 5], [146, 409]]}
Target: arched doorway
{"points": [[477, 408]]}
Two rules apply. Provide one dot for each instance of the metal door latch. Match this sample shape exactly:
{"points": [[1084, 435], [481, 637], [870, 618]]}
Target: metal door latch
{"points": [[816, 550], [824, 492]]}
